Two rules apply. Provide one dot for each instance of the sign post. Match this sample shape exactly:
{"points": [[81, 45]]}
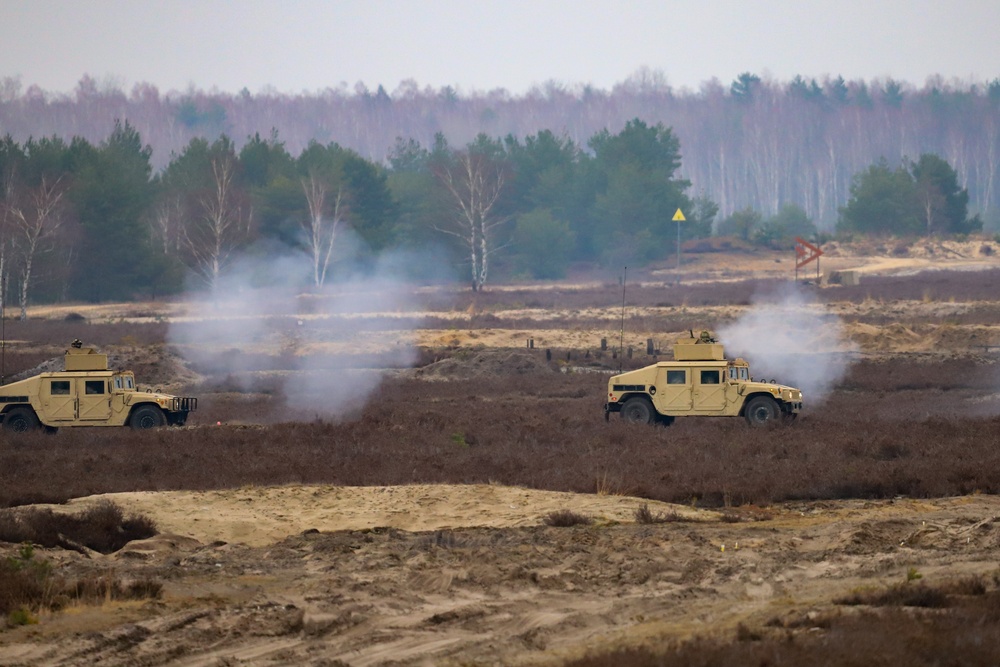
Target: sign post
{"points": [[806, 252], [679, 218]]}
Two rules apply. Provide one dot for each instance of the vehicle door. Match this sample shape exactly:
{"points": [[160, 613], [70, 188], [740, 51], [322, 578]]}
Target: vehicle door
{"points": [[673, 390], [59, 399], [94, 399], [735, 375], [709, 389]]}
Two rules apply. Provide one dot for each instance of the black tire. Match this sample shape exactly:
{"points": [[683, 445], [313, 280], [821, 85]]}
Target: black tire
{"points": [[761, 411], [146, 417], [20, 420], [638, 410]]}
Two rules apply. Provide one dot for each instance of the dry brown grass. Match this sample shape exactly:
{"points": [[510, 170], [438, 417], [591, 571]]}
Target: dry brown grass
{"points": [[888, 435], [902, 626]]}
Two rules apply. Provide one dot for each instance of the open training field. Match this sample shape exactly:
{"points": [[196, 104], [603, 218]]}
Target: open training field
{"points": [[405, 481]]}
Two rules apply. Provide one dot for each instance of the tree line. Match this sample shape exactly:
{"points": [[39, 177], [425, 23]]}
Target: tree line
{"points": [[95, 222], [749, 143]]}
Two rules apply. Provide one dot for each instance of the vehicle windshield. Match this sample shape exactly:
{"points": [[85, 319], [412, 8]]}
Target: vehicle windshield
{"points": [[124, 382], [739, 373]]}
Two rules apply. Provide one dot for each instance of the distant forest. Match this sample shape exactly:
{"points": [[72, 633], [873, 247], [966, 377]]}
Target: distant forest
{"points": [[107, 195], [747, 143]]}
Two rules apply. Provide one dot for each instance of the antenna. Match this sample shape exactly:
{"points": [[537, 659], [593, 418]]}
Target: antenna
{"points": [[621, 337]]}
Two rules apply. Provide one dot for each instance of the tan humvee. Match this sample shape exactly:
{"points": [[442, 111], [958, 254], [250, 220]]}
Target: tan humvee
{"points": [[700, 381], [87, 393]]}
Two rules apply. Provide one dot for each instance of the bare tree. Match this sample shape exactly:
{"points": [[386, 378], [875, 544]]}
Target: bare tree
{"points": [[932, 204], [221, 222], [6, 197], [165, 223], [34, 219], [475, 183], [321, 227]]}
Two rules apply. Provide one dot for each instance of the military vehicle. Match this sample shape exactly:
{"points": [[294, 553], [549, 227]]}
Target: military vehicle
{"points": [[700, 381], [87, 393]]}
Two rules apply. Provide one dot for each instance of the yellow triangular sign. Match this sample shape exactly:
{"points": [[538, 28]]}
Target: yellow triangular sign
{"points": [[679, 216]]}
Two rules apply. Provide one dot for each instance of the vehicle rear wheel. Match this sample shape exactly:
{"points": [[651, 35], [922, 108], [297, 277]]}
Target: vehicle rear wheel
{"points": [[20, 420], [638, 410], [761, 410], [146, 417]]}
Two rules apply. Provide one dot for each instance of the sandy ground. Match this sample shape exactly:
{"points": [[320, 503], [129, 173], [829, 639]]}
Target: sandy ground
{"points": [[445, 575], [258, 516]]}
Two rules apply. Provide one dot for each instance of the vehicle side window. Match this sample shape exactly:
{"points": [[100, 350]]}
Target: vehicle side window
{"points": [[128, 382], [94, 387], [676, 377], [59, 388], [118, 382], [733, 373], [710, 377], [744, 374]]}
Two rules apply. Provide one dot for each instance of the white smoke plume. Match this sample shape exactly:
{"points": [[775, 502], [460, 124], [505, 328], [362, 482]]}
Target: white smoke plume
{"points": [[265, 311], [792, 339]]}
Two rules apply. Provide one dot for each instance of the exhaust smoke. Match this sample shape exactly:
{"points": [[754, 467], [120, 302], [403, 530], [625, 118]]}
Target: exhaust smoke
{"points": [[788, 337], [320, 352]]}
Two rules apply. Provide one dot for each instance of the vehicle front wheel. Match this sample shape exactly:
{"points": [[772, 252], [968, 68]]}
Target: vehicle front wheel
{"points": [[638, 410], [761, 410], [20, 420], [146, 417]]}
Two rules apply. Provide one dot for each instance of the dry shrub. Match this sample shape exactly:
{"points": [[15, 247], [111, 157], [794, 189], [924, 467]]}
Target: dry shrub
{"points": [[59, 333], [29, 584], [645, 515], [102, 527], [946, 594], [107, 586], [898, 595], [566, 518], [927, 633], [23, 581]]}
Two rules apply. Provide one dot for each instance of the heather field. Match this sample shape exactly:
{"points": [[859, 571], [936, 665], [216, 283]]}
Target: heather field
{"points": [[435, 482]]}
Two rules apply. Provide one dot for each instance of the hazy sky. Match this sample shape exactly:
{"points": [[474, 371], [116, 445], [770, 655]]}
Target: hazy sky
{"points": [[308, 45]]}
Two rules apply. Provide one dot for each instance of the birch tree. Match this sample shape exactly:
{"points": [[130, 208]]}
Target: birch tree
{"points": [[165, 222], [223, 223], [34, 219], [217, 214], [322, 224], [474, 180], [327, 194]]}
